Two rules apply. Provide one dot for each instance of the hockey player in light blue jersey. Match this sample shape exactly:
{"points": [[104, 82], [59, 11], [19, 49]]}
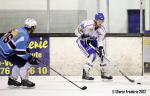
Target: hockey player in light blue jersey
{"points": [[90, 33], [14, 47]]}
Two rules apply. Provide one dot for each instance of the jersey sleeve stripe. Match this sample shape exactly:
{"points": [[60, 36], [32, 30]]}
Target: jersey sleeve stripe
{"points": [[20, 52], [12, 45]]}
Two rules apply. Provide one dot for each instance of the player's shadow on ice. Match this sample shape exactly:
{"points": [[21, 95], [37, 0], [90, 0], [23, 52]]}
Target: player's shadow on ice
{"points": [[105, 80], [15, 88]]}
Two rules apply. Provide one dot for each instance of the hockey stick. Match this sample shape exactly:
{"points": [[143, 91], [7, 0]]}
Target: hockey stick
{"points": [[39, 61], [97, 51], [131, 80], [82, 88]]}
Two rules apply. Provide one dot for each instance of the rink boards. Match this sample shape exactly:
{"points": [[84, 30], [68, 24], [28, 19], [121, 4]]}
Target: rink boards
{"points": [[65, 56]]}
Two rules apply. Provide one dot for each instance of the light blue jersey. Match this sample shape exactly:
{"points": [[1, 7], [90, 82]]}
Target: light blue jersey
{"points": [[15, 42]]}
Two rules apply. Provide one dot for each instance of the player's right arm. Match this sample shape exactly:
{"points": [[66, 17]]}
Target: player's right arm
{"points": [[79, 32]]}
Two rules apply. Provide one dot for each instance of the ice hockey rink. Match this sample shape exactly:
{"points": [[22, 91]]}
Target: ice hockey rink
{"points": [[127, 46], [57, 86]]}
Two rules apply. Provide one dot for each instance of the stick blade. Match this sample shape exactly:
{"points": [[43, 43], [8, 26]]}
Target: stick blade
{"points": [[84, 88], [132, 81]]}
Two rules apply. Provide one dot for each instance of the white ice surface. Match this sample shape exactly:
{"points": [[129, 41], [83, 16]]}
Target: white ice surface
{"points": [[57, 86]]}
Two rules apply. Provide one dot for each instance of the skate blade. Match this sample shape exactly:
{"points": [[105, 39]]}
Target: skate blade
{"points": [[107, 80], [13, 87], [25, 87], [88, 79]]}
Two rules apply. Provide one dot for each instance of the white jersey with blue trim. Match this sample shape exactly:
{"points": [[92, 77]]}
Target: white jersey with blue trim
{"points": [[87, 27]]}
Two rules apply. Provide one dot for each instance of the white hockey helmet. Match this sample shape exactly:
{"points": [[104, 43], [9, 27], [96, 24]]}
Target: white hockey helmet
{"points": [[29, 22]]}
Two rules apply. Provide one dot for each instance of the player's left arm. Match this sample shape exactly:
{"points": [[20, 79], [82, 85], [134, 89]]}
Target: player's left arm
{"points": [[101, 37], [101, 34]]}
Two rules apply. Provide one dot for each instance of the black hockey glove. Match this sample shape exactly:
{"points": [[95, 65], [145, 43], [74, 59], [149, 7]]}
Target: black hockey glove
{"points": [[28, 50], [83, 36], [101, 51], [34, 61], [88, 39]]}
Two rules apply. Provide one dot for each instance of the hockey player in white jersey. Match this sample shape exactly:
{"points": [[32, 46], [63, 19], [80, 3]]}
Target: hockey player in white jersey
{"points": [[90, 33]]}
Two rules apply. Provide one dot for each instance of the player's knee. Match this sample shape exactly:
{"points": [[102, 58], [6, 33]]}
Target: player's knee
{"points": [[26, 66], [92, 57]]}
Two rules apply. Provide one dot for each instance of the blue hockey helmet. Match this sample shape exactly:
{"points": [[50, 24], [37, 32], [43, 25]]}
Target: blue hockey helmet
{"points": [[99, 16]]}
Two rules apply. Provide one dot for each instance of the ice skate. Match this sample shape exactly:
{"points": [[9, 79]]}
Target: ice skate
{"points": [[12, 82], [106, 76], [86, 76], [27, 83]]}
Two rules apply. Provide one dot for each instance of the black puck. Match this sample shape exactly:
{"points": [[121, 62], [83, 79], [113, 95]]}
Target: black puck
{"points": [[138, 83]]}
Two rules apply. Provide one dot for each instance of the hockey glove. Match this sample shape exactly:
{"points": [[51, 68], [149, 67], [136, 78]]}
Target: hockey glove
{"points": [[34, 61], [28, 50], [101, 51], [83, 36]]}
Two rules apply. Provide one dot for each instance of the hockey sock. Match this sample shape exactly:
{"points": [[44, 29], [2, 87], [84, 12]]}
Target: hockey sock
{"points": [[15, 72], [24, 71], [87, 67]]}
